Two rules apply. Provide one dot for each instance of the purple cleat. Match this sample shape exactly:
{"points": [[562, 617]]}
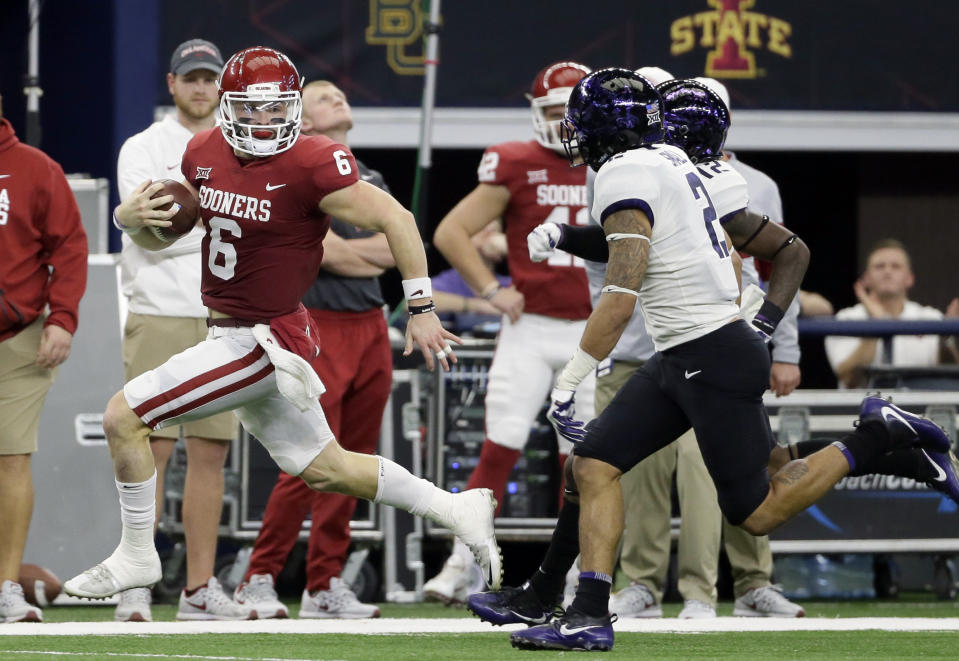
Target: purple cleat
{"points": [[510, 606], [946, 466], [905, 429], [572, 631]]}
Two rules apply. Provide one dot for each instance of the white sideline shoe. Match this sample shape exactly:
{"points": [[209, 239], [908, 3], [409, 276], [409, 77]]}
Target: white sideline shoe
{"points": [[115, 574], [337, 602], [211, 603], [259, 594], [134, 606], [694, 609], [14, 606], [459, 578], [637, 600], [767, 601], [471, 517]]}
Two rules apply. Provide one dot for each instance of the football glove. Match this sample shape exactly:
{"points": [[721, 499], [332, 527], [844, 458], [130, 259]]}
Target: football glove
{"points": [[542, 241], [562, 415]]}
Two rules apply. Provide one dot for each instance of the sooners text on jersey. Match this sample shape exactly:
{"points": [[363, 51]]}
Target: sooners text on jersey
{"points": [[543, 188], [264, 228]]}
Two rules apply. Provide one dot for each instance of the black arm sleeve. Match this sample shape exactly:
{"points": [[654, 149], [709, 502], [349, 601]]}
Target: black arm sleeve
{"points": [[588, 242]]}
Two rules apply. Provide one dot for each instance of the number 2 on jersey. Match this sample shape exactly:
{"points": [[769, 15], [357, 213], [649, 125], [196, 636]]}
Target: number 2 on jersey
{"points": [[709, 215]]}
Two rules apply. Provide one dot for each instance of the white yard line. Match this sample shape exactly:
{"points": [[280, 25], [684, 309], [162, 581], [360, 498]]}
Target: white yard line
{"points": [[133, 655], [464, 625]]}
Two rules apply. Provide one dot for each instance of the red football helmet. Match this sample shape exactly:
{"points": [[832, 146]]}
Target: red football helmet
{"points": [[552, 87], [260, 104]]}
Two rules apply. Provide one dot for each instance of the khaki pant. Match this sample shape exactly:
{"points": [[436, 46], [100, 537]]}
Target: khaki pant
{"points": [[148, 342], [23, 389], [647, 490]]}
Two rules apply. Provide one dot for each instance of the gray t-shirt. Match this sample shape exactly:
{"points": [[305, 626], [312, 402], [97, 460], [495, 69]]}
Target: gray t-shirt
{"points": [[339, 293]]}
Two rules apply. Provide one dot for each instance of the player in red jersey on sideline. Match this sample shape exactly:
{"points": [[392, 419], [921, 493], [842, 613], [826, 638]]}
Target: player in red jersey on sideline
{"points": [[266, 195], [525, 184]]}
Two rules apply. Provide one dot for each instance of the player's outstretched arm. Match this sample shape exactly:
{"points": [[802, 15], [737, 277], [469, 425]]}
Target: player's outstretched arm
{"points": [[767, 240], [138, 210]]}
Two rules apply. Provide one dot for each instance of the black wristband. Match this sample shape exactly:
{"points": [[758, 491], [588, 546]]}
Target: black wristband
{"points": [[587, 241], [768, 317], [421, 309]]}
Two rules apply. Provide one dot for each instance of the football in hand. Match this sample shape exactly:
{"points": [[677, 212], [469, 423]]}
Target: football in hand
{"points": [[185, 219], [40, 585]]}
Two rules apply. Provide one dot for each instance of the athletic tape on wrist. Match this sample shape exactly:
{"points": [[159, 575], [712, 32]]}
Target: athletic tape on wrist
{"points": [[578, 367]]}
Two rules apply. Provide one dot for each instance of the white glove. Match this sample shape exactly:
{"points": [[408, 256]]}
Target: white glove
{"points": [[542, 241]]}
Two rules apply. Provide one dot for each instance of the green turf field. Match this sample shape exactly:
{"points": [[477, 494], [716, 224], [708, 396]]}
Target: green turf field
{"points": [[801, 645], [873, 645]]}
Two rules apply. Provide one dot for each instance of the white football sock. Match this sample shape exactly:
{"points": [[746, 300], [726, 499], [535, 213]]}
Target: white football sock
{"points": [[137, 512], [399, 488]]}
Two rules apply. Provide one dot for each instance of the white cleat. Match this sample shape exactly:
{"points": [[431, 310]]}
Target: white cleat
{"points": [[472, 521], [114, 575]]}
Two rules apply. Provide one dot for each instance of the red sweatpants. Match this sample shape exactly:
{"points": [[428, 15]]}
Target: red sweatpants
{"points": [[356, 366]]}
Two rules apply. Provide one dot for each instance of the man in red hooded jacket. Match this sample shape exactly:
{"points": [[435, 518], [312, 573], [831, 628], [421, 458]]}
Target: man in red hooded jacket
{"points": [[43, 273]]}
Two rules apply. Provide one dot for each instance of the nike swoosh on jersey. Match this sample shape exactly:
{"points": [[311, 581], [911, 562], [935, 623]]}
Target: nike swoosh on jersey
{"points": [[269, 187], [940, 474], [886, 412], [690, 375], [175, 166]]}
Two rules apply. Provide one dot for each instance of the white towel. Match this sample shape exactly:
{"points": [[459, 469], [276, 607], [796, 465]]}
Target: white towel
{"points": [[750, 301], [295, 379]]}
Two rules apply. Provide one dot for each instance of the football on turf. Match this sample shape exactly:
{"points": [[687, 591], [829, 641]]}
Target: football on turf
{"points": [[40, 585], [185, 219]]}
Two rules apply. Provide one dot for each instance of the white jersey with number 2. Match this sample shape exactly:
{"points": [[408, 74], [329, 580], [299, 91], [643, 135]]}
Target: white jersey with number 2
{"points": [[690, 287]]}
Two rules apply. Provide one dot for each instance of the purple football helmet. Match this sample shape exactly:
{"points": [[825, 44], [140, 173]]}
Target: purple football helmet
{"points": [[610, 111], [696, 119]]}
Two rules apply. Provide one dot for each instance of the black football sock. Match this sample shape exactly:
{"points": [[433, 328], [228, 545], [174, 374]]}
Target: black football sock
{"points": [[869, 441], [906, 462], [548, 581], [592, 595]]}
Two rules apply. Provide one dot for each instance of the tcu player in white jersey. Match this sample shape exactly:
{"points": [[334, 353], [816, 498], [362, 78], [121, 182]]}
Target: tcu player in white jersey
{"points": [[696, 120], [666, 248]]}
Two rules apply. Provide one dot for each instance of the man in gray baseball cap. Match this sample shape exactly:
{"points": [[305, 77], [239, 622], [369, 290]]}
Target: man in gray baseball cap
{"points": [[195, 54]]}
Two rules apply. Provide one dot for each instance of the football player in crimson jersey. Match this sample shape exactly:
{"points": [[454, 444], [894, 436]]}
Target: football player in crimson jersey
{"points": [[544, 312], [266, 196]]}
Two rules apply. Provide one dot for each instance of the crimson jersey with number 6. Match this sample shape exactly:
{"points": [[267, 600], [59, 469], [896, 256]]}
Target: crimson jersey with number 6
{"points": [[264, 228], [542, 188]]}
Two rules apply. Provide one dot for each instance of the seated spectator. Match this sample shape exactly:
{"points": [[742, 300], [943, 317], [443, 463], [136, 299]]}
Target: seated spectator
{"points": [[882, 292]]}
